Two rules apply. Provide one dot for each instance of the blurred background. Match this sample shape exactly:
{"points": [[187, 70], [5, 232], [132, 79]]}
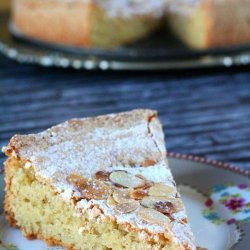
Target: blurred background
{"points": [[204, 112], [4, 4]]}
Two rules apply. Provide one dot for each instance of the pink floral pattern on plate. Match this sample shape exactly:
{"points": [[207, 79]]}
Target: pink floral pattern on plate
{"points": [[228, 203]]}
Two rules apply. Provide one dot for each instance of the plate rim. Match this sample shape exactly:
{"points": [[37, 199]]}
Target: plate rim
{"points": [[214, 163]]}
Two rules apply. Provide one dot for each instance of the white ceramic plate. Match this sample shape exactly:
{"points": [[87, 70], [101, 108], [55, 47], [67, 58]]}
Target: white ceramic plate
{"points": [[216, 195]]}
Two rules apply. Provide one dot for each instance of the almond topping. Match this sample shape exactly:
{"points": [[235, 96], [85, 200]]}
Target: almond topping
{"points": [[141, 176], [111, 202], [138, 194], [178, 205], [184, 221], [122, 196], [90, 189], [78, 181], [153, 217], [147, 183], [127, 207], [150, 201], [160, 189], [165, 207], [148, 162], [126, 180], [102, 176]]}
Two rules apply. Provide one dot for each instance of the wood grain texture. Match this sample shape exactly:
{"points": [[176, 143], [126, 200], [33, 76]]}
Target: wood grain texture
{"points": [[205, 113]]}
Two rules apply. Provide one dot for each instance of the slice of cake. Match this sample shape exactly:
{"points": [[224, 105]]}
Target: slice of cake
{"points": [[89, 23], [96, 183], [210, 23]]}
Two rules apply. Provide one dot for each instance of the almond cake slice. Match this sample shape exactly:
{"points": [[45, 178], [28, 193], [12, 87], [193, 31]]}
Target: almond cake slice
{"points": [[96, 183]]}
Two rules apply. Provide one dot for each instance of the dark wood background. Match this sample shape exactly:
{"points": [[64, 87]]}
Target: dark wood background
{"points": [[204, 113]]}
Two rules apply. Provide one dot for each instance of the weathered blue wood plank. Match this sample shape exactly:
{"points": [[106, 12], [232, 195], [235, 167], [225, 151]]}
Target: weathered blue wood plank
{"points": [[205, 112]]}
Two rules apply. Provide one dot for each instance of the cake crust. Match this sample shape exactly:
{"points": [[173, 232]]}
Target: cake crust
{"points": [[106, 175]]}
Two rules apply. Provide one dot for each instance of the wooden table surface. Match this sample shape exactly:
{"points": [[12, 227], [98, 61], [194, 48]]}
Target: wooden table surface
{"points": [[205, 113]]}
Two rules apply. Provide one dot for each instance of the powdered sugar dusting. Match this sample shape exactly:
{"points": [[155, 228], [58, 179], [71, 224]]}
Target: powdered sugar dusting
{"points": [[154, 8], [156, 173], [179, 215], [183, 232], [108, 143], [128, 8], [183, 7]]}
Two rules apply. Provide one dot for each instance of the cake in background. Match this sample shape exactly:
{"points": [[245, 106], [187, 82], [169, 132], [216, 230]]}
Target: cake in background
{"points": [[4, 5], [210, 23], [199, 24], [91, 23]]}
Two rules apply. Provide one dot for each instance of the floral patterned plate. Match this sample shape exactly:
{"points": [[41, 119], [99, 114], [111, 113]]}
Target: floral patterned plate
{"points": [[216, 195]]}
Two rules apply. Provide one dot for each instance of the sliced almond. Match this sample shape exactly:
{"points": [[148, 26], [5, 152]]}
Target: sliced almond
{"points": [[184, 221], [126, 180], [90, 189], [111, 202], [178, 205], [97, 190], [150, 201], [148, 162], [138, 194], [102, 175], [78, 181], [147, 183], [153, 217], [160, 189], [165, 207], [118, 185], [141, 176], [126, 208], [121, 196]]}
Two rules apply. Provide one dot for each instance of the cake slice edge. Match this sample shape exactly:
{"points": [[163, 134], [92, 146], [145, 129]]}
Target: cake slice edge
{"points": [[157, 239]]}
